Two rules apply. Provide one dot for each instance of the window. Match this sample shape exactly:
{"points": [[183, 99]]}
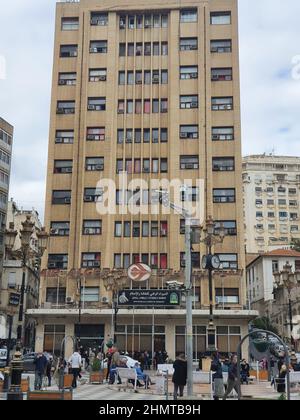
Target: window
{"points": [[163, 229], [156, 21], [187, 102], [164, 77], [128, 166], [191, 194], [99, 19], [5, 137], [139, 49], [96, 104], [229, 261], [122, 76], [188, 44], [95, 133], [155, 106], [4, 178], [219, 75], [67, 79], [155, 76], [228, 225], [222, 103], [60, 229], [224, 195], [130, 49], [58, 261], [163, 261], [98, 47], [146, 135], [91, 259], [56, 295], [222, 133], [67, 51], [270, 202], [223, 164], [155, 135], [148, 21], [154, 261], [138, 106], [139, 22], [126, 261], [275, 266], [271, 215], [53, 337], [145, 229], [89, 294], [65, 137], [227, 296], [259, 214], [188, 72], [117, 260], [94, 164], [97, 75], [93, 194], [164, 21], [65, 107], [189, 162], [138, 77], [122, 22], [223, 46], [195, 259], [131, 22], [92, 227], [147, 77], [164, 165], [70, 24], [164, 105], [164, 135], [127, 229], [154, 229], [282, 190], [63, 166], [155, 166], [129, 108], [122, 50], [282, 202], [220, 18], [137, 166], [147, 48], [188, 16], [164, 48], [121, 106], [136, 230], [155, 48], [61, 197], [189, 132], [118, 229], [137, 135], [292, 191]]}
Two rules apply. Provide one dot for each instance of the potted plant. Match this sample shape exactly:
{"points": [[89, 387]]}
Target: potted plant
{"points": [[96, 375]]}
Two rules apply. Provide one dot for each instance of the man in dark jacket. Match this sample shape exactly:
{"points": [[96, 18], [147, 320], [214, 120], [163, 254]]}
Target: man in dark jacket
{"points": [[217, 377], [232, 377], [180, 375], [40, 363]]}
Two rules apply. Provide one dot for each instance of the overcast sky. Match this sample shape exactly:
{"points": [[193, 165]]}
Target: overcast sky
{"points": [[270, 89]]}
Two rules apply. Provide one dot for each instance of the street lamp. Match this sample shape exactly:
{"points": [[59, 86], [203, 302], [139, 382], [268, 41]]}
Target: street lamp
{"points": [[210, 262], [113, 283], [164, 199], [25, 252], [287, 279]]}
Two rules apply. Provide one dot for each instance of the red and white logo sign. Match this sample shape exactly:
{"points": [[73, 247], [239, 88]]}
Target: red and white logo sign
{"points": [[139, 272]]}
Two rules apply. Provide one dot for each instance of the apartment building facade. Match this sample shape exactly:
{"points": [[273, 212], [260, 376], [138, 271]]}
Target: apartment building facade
{"points": [[151, 91], [271, 201], [6, 141]]}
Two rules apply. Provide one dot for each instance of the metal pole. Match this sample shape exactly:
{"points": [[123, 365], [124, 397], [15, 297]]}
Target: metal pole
{"points": [[79, 315], [189, 307], [21, 309], [291, 319], [10, 324], [115, 318], [211, 315]]}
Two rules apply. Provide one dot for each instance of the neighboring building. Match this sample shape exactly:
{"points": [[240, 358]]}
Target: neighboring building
{"points": [[152, 91], [6, 141], [12, 281], [271, 201], [261, 288]]}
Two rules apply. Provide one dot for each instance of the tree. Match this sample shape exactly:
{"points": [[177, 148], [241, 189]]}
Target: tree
{"points": [[295, 244], [264, 323]]}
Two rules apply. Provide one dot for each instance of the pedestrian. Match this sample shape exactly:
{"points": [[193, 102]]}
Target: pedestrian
{"points": [[40, 363], [281, 379], [245, 371], [232, 377], [115, 363], [147, 360], [49, 369], [180, 375], [75, 362], [217, 377]]}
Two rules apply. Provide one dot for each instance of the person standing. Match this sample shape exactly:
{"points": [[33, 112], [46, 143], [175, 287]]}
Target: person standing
{"points": [[217, 377], [180, 375], [232, 377], [40, 363], [75, 362], [49, 369], [245, 372], [115, 362]]}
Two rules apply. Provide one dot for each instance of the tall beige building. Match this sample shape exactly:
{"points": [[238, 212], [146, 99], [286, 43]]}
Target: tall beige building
{"points": [[150, 89], [271, 201]]}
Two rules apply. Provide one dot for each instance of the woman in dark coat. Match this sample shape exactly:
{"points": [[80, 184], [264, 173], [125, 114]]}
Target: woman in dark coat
{"points": [[180, 375]]}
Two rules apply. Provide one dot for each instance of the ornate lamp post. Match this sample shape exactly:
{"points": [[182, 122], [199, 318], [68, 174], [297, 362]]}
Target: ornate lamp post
{"points": [[210, 263], [113, 283], [288, 280]]}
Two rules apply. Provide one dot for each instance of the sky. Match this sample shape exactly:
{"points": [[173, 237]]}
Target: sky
{"points": [[270, 84]]}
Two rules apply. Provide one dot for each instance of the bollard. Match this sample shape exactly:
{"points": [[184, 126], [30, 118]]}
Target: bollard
{"points": [[15, 392]]}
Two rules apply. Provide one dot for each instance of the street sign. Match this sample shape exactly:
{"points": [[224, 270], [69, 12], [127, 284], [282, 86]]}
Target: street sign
{"points": [[139, 272], [152, 298]]}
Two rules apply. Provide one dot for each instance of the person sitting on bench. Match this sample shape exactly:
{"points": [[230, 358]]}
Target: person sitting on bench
{"points": [[141, 376]]}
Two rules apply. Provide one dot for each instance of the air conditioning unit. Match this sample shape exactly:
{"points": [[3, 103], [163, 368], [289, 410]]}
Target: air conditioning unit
{"points": [[194, 105], [194, 75], [62, 82], [96, 264], [58, 140], [60, 111], [99, 167], [73, 54], [91, 107], [88, 198], [105, 300], [93, 49], [68, 200], [183, 135], [69, 299], [102, 78], [91, 137], [215, 137], [68, 170], [54, 231]]}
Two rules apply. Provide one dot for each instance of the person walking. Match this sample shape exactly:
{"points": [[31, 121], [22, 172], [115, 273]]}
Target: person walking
{"points": [[217, 377], [281, 379], [115, 362], [232, 377], [75, 362], [245, 372], [180, 375], [49, 369], [40, 363]]}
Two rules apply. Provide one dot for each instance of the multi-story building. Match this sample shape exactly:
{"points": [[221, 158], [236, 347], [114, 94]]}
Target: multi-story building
{"points": [[150, 90], [12, 281], [6, 140], [271, 201]]}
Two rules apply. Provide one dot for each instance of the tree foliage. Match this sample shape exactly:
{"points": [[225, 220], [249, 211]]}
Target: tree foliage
{"points": [[264, 323], [295, 244]]}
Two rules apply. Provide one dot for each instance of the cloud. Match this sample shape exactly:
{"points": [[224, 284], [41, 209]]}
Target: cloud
{"points": [[269, 35]]}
